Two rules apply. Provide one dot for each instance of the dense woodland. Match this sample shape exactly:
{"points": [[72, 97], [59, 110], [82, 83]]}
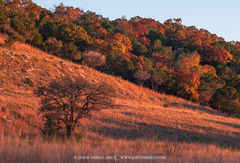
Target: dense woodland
{"points": [[167, 57]]}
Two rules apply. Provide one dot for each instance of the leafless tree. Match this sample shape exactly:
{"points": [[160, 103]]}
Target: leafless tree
{"points": [[69, 100], [141, 76], [93, 59], [156, 81]]}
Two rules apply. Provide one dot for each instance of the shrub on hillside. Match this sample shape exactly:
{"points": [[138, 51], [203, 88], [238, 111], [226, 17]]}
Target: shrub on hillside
{"points": [[53, 45], [209, 84], [226, 100], [157, 79], [93, 58], [141, 76], [29, 82]]}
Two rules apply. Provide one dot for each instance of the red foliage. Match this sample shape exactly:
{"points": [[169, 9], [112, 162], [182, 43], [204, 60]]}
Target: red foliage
{"points": [[196, 39], [134, 29], [211, 54], [158, 57], [178, 34], [139, 29], [99, 31], [68, 13], [152, 25], [144, 40], [124, 26], [140, 32], [191, 83], [162, 61]]}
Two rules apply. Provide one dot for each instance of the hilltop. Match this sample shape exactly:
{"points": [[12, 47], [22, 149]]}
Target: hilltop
{"points": [[147, 121]]}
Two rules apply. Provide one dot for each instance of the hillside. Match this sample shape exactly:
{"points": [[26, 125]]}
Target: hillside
{"points": [[146, 122], [173, 58]]}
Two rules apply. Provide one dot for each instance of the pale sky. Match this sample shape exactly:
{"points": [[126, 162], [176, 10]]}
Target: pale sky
{"points": [[217, 16]]}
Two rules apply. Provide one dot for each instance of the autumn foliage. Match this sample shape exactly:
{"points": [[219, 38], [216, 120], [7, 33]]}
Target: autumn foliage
{"points": [[185, 54]]}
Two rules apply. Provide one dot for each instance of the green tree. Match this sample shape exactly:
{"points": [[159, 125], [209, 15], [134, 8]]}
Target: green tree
{"points": [[209, 84], [138, 48], [157, 45], [72, 33], [3, 14], [226, 100], [225, 73], [70, 51]]}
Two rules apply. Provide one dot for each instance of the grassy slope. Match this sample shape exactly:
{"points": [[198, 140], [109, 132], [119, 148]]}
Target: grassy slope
{"points": [[146, 121]]}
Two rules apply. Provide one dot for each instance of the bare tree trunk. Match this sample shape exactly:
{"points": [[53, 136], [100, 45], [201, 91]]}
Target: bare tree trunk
{"points": [[153, 85], [141, 83], [69, 131]]}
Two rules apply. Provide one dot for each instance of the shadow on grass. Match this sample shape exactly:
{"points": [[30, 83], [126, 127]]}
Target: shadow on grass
{"points": [[197, 107], [225, 123], [135, 130]]}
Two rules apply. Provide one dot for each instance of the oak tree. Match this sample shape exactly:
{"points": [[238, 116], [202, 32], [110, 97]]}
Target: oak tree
{"points": [[68, 100]]}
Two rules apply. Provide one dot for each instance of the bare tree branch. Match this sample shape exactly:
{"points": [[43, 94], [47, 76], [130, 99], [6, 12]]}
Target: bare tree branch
{"points": [[71, 99]]}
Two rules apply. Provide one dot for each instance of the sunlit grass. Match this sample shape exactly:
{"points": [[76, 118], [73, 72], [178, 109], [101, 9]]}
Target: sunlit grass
{"points": [[147, 123]]}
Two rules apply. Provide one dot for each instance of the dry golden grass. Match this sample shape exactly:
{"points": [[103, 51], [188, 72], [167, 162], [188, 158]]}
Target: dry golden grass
{"points": [[17, 150], [147, 123]]}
